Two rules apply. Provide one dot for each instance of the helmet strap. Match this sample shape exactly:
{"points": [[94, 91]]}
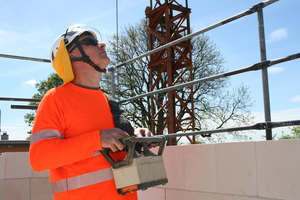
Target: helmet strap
{"points": [[85, 58]]}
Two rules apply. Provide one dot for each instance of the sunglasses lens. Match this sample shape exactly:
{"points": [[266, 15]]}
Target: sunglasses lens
{"points": [[89, 41]]}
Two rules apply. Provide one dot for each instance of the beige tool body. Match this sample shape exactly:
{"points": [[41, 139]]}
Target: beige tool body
{"points": [[139, 171]]}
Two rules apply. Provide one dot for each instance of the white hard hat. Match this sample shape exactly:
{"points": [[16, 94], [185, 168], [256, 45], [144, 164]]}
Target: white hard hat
{"points": [[73, 32]]}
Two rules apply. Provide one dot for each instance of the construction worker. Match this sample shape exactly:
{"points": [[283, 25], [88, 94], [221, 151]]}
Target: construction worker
{"points": [[74, 121]]}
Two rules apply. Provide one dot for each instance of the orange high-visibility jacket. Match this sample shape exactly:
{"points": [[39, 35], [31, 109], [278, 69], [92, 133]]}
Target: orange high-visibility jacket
{"points": [[66, 140]]}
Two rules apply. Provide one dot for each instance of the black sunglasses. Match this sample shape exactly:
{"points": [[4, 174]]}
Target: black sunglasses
{"points": [[87, 41]]}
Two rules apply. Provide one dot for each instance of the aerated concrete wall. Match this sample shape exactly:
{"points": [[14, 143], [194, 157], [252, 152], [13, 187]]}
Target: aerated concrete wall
{"points": [[231, 171], [227, 171]]}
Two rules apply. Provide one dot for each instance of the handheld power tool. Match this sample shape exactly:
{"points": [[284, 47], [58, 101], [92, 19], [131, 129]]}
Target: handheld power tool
{"points": [[138, 171]]}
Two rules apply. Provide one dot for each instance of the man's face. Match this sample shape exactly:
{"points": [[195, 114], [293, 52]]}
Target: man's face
{"points": [[92, 48]]}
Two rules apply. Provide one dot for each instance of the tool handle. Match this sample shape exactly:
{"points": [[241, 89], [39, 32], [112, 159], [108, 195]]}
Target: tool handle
{"points": [[159, 140], [130, 143]]}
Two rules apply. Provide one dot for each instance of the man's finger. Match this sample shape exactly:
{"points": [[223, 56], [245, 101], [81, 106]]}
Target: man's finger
{"points": [[148, 133], [113, 148], [123, 133], [119, 145]]}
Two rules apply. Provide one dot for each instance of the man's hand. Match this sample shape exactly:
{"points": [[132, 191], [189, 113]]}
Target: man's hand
{"points": [[144, 132], [110, 138]]}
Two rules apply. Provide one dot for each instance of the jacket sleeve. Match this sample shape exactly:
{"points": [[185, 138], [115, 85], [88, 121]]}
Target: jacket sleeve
{"points": [[51, 153]]}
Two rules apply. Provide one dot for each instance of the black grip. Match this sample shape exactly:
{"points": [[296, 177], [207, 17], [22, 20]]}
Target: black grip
{"points": [[130, 144]]}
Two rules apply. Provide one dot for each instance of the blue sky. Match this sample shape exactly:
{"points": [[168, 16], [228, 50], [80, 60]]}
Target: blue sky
{"points": [[28, 28]]}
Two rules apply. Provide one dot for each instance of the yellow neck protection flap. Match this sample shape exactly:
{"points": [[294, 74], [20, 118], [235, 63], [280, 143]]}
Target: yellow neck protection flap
{"points": [[62, 63]]}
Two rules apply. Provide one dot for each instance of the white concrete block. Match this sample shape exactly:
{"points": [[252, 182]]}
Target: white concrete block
{"points": [[200, 168], [173, 157], [43, 174], [278, 169], [17, 165], [152, 194], [41, 197], [190, 195], [17, 189], [2, 166], [40, 189], [236, 168]]}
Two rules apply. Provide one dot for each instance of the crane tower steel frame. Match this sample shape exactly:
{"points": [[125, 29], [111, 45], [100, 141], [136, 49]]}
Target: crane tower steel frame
{"points": [[172, 111]]}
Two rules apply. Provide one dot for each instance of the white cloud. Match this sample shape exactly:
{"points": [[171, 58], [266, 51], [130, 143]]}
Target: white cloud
{"points": [[31, 82], [275, 70], [295, 99], [7, 37], [281, 115], [10, 41], [278, 34]]}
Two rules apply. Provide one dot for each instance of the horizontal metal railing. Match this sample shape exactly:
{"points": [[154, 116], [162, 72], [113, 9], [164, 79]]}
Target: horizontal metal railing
{"points": [[25, 58], [17, 145], [254, 67]]}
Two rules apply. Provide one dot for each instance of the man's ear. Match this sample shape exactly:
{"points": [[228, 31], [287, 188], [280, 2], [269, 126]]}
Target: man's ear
{"points": [[71, 55]]}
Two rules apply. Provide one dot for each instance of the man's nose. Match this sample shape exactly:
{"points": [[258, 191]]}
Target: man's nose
{"points": [[101, 45]]}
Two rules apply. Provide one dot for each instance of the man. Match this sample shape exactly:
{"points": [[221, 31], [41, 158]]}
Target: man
{"points": [[74, 121]]}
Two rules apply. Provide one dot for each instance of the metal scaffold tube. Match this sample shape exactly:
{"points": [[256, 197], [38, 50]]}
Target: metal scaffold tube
{"points": [[257, 126], [253, 67], [264, 71], [25, 58], [257, 66]]}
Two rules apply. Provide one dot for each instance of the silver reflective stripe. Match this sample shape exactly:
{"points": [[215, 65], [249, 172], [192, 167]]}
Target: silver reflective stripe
{"points": [[45, 134], [96, 153], [82, 180]]}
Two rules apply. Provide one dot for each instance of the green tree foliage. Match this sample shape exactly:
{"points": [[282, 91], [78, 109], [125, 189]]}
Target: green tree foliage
{"points": [[134, 78], [42, 87], [216, 104], [295, 134]]}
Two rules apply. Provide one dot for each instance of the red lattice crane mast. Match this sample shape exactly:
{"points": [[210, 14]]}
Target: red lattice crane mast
{"points": [[172, 111]]}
